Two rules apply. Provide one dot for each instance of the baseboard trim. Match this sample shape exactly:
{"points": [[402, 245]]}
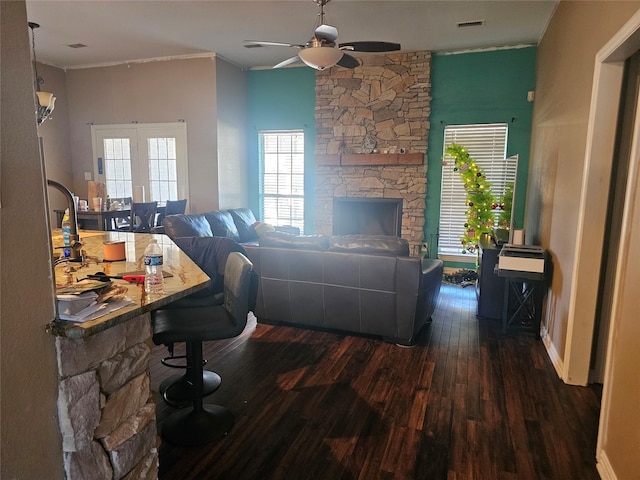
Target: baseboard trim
{"points": [[604, 467], [553, 353]]}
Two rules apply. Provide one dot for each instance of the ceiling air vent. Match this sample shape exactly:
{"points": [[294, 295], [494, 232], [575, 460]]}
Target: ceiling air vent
{"points": [[474, 23]]}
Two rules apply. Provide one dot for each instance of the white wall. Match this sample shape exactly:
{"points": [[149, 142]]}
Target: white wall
{"points": [[564, 77], [31, 444], [231, 93], [55, 135], [566, 211], [153, 92], [619, 436]]}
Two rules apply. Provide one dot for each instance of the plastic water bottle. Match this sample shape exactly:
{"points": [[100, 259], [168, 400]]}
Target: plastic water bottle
{"points": [[153, 280], [66, 233]]}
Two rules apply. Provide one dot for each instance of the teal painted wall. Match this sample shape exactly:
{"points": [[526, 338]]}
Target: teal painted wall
{"points": [[282, 99], [479, 87], [482, 87]]}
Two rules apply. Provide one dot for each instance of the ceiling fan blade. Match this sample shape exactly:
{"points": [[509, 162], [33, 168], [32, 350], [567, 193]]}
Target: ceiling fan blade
{"points": [[370, 46], [258, 43], [327, 32], [288, 61], [347, 61]]}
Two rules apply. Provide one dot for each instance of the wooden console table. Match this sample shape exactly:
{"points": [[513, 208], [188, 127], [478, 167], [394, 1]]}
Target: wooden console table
{"points": [[490, 285]]}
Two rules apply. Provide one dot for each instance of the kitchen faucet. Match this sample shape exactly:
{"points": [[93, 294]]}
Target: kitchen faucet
{"points": [[74, 238]]}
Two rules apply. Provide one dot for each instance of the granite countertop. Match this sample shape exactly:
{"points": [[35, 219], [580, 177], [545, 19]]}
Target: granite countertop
{"points": [[186, 278]]}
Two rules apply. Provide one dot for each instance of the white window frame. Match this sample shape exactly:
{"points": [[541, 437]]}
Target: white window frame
{"points": [[279, 214], [487, 145], [138, 135]]}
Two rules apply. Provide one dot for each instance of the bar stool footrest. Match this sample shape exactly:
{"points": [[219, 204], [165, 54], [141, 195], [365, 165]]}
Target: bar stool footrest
{"points": [[178, 391]]}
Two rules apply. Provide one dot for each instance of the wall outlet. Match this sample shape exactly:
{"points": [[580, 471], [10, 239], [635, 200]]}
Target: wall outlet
{"points": [[87, 175], [425, 247]]}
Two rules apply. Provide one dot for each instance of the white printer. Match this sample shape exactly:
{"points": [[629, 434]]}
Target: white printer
{"points": [[522, 258]]}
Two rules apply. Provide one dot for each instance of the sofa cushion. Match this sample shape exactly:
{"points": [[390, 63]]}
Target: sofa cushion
{"points": [[300, 242], [222, 224], [374, 244], [244, 220], [187, 225]]}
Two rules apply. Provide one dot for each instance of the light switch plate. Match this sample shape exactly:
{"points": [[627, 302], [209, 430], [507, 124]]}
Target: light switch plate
{"points": [[87, 175]]}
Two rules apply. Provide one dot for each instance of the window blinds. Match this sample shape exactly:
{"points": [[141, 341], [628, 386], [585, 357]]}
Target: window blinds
{"points": [[282, 177], [487, 145]]}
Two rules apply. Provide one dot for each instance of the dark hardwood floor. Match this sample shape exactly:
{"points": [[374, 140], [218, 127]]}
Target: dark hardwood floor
{"points": [[465, 403]]}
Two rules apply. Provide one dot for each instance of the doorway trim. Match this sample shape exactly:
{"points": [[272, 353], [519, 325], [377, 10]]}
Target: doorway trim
{"points": [[601, 131]]}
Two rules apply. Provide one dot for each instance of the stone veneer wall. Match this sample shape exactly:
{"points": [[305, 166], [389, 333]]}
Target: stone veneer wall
{"points": [[389, 98], [105, 405]]}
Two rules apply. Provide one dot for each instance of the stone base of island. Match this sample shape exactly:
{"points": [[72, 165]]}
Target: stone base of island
{"points": [[105, 405]]}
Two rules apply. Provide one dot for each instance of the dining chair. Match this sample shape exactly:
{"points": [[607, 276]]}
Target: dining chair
{"points": [[122, 200], [121, 223], [142, 217], [172, 207]]}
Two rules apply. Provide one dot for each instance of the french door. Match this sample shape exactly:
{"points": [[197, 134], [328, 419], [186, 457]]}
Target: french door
{"points": [[153, 156]]}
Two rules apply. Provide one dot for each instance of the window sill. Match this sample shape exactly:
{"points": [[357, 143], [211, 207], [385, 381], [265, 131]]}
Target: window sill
{"points": [[460, 257]]}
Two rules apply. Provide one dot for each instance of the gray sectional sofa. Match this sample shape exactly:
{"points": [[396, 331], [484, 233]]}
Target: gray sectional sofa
{"points": [[366, 284], [235, 223]]}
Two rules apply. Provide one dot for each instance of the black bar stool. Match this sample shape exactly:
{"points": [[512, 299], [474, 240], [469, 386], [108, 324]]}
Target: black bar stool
{"points": [[204, 423]]}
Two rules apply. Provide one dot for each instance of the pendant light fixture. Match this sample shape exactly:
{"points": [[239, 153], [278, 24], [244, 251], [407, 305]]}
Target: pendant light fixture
{"points": [[46, 101]]}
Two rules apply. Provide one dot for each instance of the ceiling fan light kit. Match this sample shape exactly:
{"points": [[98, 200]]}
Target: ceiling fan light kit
{"points": [[321, 52], [320, 57]]}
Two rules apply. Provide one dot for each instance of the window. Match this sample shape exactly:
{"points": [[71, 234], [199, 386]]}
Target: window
{"points": [[282, 177], [117, 166], [487, 144], [163, 168], [152, 155]]}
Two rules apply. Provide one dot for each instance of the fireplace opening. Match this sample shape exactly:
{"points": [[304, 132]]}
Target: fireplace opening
{"points": [[370, 216]]}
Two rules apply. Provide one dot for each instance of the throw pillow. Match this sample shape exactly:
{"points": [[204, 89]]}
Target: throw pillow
{"points": [[261, 228], [222, 224], [244, 220]]}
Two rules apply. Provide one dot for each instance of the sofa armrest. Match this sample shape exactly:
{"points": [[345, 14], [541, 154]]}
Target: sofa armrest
{"points": [[430, 282], [432, 266]]}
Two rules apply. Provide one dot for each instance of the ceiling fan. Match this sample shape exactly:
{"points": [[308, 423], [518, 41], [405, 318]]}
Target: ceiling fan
{"points": [[321, 51]]}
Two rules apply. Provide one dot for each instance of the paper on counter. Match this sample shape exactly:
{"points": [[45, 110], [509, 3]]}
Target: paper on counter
{"points": [[96, 310]]}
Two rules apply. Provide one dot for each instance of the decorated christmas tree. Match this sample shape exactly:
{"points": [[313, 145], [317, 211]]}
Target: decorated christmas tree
{"points": [[480, 199]]}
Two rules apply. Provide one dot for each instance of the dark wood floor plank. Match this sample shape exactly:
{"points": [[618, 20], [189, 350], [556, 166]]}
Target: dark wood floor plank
{"points": [[458, 459], [465, 403]]}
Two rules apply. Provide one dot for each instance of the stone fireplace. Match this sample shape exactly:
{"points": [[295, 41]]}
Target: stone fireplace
{"points": [[387, 98]]}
